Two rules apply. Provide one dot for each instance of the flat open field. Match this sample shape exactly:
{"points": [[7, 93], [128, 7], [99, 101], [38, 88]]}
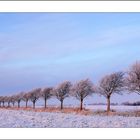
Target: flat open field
{"points": [[11, 118]]}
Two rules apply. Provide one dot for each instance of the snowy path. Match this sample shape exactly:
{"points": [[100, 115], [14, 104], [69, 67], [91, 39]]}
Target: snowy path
{"points": [[12, 118]]}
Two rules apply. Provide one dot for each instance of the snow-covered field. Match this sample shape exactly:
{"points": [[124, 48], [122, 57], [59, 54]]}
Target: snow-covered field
{"points": [[20, 119], [119, 108]]}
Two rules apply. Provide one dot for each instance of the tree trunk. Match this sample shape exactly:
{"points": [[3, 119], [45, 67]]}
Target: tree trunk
{"points": [[3, 104], [33, 105], [61, 104], [45, 103], [8, 104], [18, 104], [81, 104], [108, 104], [0, 104], [26, 103], [13, 104]]}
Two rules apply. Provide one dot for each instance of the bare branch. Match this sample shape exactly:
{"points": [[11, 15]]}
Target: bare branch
{"points": [[111, 84], [62, 91], [133, 78], [46, 94], [34, 95], [82, 89]]}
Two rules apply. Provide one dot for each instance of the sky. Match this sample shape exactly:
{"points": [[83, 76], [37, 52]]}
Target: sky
{"points": [[45, 49]]}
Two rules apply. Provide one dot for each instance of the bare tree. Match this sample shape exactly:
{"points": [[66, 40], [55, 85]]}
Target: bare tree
{"points": [[62, 91], [0, 100], [13, 100], [3, 100], [111, 84], [19, 98], [26, 98], [34, 96], [133, 78], [46, 93], [9, 100], [82, 89]]}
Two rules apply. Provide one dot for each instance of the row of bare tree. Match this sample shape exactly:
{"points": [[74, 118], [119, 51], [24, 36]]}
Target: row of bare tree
{"points": [[114, 83]]}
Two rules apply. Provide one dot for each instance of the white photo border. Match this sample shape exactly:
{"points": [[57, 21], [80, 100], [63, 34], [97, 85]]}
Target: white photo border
{"points": [[70, 6]]}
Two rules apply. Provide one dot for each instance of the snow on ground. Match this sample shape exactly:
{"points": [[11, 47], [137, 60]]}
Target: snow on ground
{"points": [[119, 108], [20, 118]]}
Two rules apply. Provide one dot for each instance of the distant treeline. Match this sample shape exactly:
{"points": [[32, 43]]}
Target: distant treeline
{"points": [[131, 104], [113, 104]]}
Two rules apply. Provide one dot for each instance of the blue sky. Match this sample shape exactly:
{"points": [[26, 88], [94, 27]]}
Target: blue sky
{"points": [[44, 49]]}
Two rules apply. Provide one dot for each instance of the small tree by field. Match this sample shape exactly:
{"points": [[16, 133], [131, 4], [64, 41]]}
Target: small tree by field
{"points": [[46, 94], [13, 100], [9, 100], [62, 91], [34, 96], [133, 78], [111, 84], [0, 100], [82, 89], [3, 100], [19, 98], [26, 98]]}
